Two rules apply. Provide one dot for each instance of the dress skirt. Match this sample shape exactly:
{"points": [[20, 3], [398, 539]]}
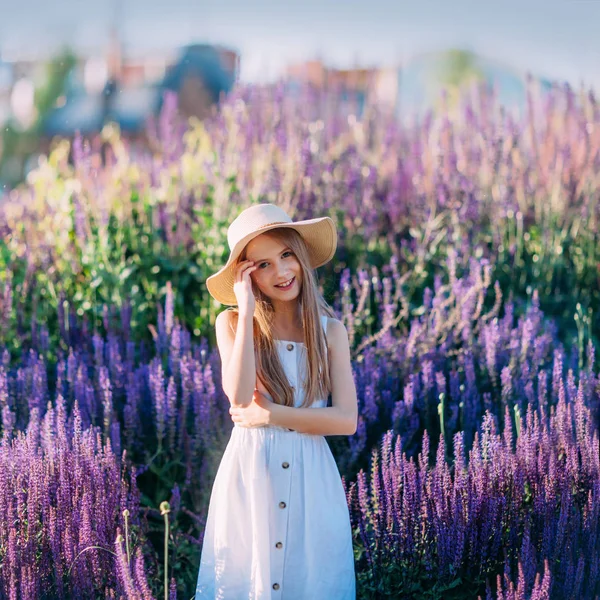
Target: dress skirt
{"points": [[278, 525]]}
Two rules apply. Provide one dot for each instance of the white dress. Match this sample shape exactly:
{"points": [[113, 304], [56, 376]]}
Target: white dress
{"points": [[278, 525]]}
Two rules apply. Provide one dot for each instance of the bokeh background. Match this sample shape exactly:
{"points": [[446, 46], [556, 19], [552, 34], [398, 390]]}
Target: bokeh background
{"points": [[71, 66], [457, 148]]}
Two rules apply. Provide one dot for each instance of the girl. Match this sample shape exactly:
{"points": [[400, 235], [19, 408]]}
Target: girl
{"points": [[278, 524]]}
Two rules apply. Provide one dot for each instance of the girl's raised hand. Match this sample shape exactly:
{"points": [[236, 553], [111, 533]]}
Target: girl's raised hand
{"points": [[242, 287]]}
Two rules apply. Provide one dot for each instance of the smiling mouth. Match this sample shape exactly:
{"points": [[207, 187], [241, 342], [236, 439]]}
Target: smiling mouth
{"points": [[287, 284]]}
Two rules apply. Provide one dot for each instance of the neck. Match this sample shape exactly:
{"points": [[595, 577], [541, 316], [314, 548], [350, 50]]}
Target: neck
{"points": [[287, 315]]}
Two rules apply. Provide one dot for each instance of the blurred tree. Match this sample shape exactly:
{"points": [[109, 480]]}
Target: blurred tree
{"points": [[18, 143], [58, 70], [457, 69]]}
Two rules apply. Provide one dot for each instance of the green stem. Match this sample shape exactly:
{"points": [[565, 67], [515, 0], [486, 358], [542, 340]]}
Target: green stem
{"points": [[164, 511], [126, 515]]}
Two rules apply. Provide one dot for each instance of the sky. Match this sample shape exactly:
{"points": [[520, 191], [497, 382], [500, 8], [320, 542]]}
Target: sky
{"points": [[557, 39]]}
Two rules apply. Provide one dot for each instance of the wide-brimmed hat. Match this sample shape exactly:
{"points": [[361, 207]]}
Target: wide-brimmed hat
{"points": [[319, 235]]}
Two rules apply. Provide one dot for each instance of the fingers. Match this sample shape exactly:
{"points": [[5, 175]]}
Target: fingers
{"points": [[244, 268], [250, 270]]}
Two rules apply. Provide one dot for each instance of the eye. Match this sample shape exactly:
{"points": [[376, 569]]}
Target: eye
{"points": [[287, 252], [262, 265]]}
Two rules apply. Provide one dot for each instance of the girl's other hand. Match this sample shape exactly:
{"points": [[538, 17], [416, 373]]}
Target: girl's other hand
{"points": [[242, 287], [256, 414]]}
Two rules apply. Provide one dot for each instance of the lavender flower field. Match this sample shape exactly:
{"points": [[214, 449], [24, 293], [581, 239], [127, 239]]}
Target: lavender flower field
{"points": [[467, 275]]}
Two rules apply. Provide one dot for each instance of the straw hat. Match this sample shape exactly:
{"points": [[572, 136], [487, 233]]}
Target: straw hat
{"points": [[319, 235]]}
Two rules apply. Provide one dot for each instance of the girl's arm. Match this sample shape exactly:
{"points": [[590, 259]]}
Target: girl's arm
{"points": [[339, 419], [237, 357]]}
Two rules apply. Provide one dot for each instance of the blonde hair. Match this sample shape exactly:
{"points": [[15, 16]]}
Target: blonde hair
{"points": [[312, 304]]}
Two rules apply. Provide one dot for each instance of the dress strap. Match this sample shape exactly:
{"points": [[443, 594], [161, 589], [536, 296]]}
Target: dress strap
{"points": [[324, 324]]}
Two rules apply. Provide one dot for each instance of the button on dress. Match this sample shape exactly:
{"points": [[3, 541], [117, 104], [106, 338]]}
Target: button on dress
{"points": [[278, 526]]}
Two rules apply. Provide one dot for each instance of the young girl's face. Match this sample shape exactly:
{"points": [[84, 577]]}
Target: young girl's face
{"points": [[278, 273]]}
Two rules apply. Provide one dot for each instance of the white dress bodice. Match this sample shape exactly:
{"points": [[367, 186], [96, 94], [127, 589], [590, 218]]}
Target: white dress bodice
{"points": [[293, 356]]}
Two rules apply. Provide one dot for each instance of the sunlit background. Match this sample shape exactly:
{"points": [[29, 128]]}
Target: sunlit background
{"points": [[456, 147], [70, 66]]}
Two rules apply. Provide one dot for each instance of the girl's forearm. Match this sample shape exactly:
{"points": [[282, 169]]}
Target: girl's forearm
{"points": [[240, 379], [317, 421]]}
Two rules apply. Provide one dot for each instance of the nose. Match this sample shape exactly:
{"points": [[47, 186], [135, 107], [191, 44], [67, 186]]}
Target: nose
{"points": [[282, 271], [283, 275]]}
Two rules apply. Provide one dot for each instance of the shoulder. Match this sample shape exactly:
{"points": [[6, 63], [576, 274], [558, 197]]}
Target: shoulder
{"points": [[336, 333], [338, 345], [227, 317], [226, 321]]}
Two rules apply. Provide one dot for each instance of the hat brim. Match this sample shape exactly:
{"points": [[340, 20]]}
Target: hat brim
{"points": [[319, 235]]}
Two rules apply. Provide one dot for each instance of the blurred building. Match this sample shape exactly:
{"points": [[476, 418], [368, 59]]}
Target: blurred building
{"points": [[316, 73], [42, 97], [127, 91], [200, 76], [352, 87], [417, 86]]}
